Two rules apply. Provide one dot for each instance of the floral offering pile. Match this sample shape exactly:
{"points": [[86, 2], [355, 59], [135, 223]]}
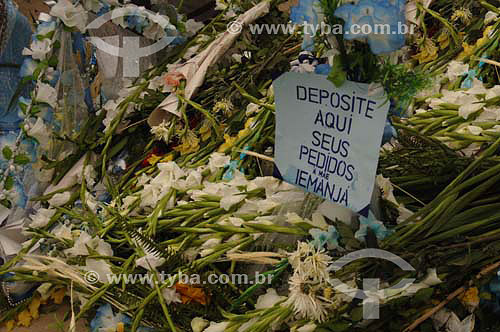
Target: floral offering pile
{"points": [[173, 175]]}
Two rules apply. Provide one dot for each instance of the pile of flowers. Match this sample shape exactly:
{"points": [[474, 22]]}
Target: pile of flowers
{"points": [[174, 176]]}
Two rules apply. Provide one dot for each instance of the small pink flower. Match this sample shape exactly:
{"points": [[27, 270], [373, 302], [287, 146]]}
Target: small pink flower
{"points": [[173, 79]]}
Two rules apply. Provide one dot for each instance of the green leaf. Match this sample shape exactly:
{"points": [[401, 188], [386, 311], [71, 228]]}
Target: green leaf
{"points": [[424, 295], [21, 159], [340, 326], [357, 314], [9, 183], [7, 153], [53, 61], [337, 76]]}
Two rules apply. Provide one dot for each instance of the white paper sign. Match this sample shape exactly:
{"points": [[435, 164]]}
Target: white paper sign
{"points": [[328, 138]]}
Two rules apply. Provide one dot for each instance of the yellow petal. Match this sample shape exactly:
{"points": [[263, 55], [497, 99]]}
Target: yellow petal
{"points": [[24, 318], [10, 325], [34, 306], [120, 327], [58, 295]]}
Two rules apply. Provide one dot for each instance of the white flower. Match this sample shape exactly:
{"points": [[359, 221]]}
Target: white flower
{"points": [[209, 245], [309, 262], [269, 299], [41, 218], [161, 131], [456, 69], [60, 199], [432, 278], [493, 92], [217, 327], [252, 109], [193, 180], [220, 5], [150, 262], [100, 267], [309, 327], [490, 17], [319, 221], [63, 232], [475, 130], [218, 160], [471, 150], [303, 299], [40, 132], [404, 214], [471, 106], [198, 324], [158, 83], [192, 27], [46, 94], [72, 16], [454, 324], [231, 199], [170, 295], [38, 49], [89, 173], [85, 240], [387, 189]]}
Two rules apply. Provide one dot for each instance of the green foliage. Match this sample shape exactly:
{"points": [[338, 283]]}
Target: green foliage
{"points": [[400, 82]]}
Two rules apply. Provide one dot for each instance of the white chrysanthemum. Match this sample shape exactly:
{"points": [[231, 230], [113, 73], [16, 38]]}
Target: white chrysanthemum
{"points": [[310, 263], [303, 299], [161, 131]]}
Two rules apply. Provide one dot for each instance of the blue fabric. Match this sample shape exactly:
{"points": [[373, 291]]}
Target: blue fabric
{"points": [[19, 36], [371, 13]]}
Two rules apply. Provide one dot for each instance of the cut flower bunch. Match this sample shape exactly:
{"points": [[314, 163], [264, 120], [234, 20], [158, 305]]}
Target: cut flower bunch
{"points": [[173, 176]]}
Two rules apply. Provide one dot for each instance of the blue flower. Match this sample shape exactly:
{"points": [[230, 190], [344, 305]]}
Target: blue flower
{"points": [[233, 165], [105, 320], [136, 22], [469, 80], [307, 11], [28, 67], [321, 237], [323, 69], [377, 227], [375, 13], [45, 28], [389, 132]]}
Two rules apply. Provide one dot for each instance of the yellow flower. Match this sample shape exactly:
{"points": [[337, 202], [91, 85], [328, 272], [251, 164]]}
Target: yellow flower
{"points": [[485, 38], [58, 295], [24, 318], [463, 15], [225, 106], [190, 143], [229, 142], [153, 159], [428, 51], [120, 327], [167, 158], [467, 52], [471, 297], [205, 130], [10, 325], [34, 306], [444, 39]]}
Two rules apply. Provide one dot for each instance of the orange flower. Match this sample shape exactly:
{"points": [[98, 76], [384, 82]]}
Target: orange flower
{"points": [[173, 79], [190, 293], [58, 295], [470, 298]]}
